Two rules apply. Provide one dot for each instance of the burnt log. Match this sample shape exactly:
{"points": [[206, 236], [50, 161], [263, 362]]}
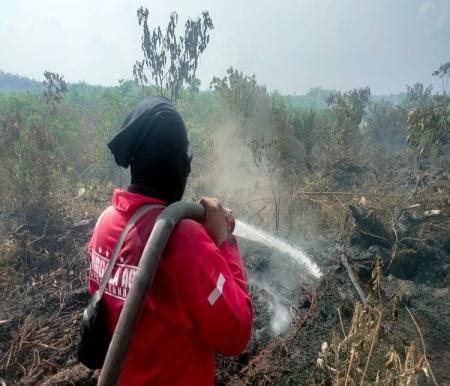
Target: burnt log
{"points": [[370, 230], [416, 250]]}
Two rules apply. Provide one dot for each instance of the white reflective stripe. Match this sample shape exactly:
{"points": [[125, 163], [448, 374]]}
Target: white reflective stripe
{"points": [[215, 294]]}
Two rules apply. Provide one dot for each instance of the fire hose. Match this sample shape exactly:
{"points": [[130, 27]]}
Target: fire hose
{"points": [[142, 281]]}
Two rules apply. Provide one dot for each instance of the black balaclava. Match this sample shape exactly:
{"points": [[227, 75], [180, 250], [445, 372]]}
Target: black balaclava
{"points": [[153, 142]]}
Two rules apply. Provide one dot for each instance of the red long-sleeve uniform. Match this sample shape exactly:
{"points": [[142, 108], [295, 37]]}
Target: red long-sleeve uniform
{"points": [[198, 303]]}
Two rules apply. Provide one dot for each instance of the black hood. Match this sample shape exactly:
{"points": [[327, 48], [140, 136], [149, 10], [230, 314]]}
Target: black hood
{"points": [[153, 142]]}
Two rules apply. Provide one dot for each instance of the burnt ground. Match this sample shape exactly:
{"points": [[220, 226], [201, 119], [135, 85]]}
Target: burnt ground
{"points": [[413, 258], [290, 359], [43, 294]]}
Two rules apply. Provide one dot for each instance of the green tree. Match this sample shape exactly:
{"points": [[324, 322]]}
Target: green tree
{"points": [[241, 92], [305, 130], [169, 60], [418, 96], [428, 129], [386, 126], [443, 73], [348, 109], [194, 87], [30, 155], [55, 88], [429, 119]]}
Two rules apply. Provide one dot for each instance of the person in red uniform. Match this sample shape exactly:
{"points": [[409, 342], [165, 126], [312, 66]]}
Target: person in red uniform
{"points": [[198, 304]]}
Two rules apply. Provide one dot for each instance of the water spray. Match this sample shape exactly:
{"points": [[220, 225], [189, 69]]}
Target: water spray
{"points": [[253, 233]]}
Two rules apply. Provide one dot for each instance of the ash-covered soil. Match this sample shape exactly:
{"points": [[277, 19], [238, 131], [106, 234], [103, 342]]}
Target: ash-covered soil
{"points": [[43, 294]]}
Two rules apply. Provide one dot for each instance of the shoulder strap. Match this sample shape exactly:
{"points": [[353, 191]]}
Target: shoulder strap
{"points": [[133, 220]]}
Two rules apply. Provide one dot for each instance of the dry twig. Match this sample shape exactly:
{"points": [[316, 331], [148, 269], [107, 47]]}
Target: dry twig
{"points": [[352, 278], [423, 346]]}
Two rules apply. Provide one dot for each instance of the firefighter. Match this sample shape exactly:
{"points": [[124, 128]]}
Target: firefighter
{"points": [[198, 304]]}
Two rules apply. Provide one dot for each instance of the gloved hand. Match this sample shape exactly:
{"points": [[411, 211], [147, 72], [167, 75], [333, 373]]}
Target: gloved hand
{"points": [[215, 221]]}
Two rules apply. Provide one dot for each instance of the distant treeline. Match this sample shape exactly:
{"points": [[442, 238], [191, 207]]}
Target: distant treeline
{"points": [[10, 83], [315, 98]]}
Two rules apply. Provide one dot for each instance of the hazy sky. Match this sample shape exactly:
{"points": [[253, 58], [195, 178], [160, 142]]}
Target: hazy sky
{"points": [[291, 45]]}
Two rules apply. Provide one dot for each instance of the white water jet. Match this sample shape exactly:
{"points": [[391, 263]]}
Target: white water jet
{"points": [[250, 232]]}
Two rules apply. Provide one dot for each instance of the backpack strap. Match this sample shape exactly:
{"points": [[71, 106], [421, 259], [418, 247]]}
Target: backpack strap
{"points": [[112, 261]]}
